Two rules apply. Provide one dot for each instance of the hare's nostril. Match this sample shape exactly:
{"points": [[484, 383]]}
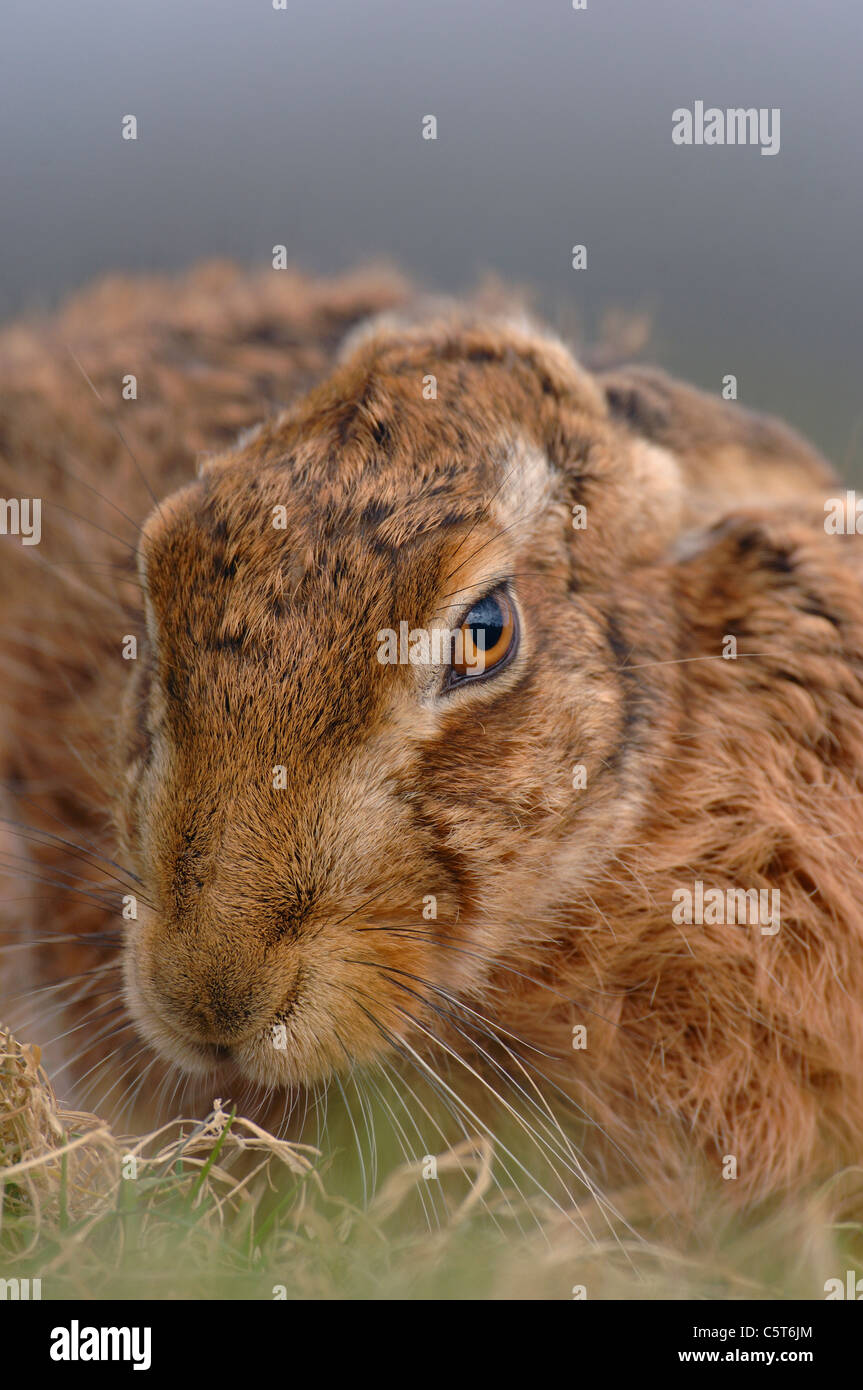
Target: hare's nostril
{"points": [[217, 1019], [219, 1028]]}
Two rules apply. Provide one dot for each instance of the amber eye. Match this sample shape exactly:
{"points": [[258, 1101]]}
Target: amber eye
{"points": [[487, 639]]}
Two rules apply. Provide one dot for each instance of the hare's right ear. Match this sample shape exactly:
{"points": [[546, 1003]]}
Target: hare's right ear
{"points": [[727, 455], [436, 314], [380, 328]]}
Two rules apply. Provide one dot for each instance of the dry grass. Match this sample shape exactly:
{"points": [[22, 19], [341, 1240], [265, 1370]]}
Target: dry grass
{"points": [[222, 1209]]}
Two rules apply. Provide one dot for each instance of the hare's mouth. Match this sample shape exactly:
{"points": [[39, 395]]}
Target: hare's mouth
{"points": [[193, 1055], [267, 1056], [273, 1033]]}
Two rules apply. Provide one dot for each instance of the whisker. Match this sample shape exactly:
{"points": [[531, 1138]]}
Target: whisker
{"points": [[405, 1146], [573, 1163], [88, 521], [94, 849], [359, 1146], [403, 1045], [115, 427]]}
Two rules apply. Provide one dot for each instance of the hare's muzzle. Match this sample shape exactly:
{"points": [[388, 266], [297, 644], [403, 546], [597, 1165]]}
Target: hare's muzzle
{"points": [[198, 1000]]}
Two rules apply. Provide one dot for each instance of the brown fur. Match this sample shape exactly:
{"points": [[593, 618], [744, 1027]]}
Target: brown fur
{"points": [[554, 906]]}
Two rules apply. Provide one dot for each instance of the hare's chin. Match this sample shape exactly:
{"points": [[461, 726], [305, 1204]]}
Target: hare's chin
{"points": [[269, 1061]]}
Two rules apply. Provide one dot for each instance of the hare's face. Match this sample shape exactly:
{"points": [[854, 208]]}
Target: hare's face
{"points": [[380, 730]]}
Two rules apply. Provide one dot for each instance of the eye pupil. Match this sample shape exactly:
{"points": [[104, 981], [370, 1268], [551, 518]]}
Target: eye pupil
{"points": [[488, 638], [486, 623]]}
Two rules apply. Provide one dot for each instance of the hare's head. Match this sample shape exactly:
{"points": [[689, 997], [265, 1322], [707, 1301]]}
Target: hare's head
{"points": [[407, 655]]}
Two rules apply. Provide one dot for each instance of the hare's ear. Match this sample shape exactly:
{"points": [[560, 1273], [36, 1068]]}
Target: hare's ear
{"points": [[727, 455], [374, 329], [439, 315], [672, 460], [417, 313]]}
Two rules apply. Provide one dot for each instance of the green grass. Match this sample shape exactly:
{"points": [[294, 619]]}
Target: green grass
{"points": [[221, 1210]]}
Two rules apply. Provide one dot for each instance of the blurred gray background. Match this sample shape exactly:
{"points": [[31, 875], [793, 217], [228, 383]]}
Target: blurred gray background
{"points": [[303, 126]]}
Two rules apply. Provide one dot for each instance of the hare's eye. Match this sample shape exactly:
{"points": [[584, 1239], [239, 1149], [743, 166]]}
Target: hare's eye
{"points": [[487, 639]]}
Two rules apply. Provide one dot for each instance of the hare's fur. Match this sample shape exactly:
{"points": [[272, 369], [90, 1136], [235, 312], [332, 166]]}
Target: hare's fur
{"points": [[301, 907]]}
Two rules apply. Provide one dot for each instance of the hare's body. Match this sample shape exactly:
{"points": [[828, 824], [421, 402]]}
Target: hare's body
{"points": [[338, 859]]}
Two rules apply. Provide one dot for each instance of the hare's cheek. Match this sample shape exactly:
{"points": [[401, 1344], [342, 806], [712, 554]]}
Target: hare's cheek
{"points": [[130, 806], [134, 740]]}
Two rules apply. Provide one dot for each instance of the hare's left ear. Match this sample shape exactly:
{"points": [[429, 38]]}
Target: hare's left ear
{"points": [[727, 454], [665, 459]]}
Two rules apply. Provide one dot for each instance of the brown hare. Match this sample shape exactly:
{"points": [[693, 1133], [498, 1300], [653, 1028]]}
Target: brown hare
{"points": [[490, 718]]}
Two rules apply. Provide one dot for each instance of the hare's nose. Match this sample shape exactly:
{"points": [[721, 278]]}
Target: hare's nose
{"points": [[218, 1007], [221, 1014]]}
